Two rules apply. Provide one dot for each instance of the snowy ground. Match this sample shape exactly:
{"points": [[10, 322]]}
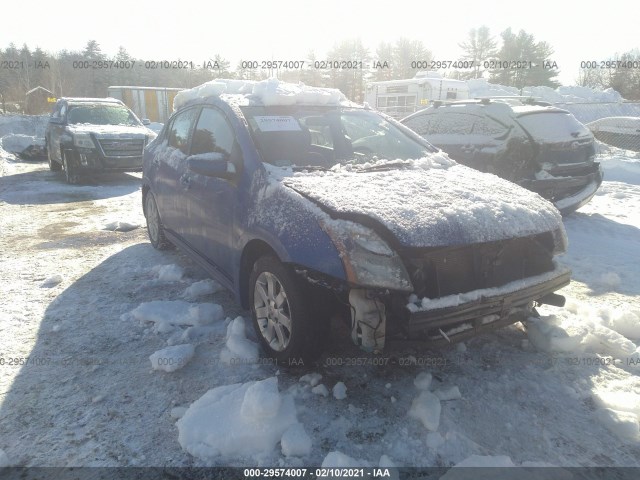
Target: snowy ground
{"points": [[112, 353]]}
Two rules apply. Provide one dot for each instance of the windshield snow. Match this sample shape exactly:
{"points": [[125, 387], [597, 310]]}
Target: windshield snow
{"points": [[101, 115], [324, 137]]}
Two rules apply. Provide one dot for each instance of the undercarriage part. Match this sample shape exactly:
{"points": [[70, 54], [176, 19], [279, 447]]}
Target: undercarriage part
{"points": [[553, 299], [368, 320]]}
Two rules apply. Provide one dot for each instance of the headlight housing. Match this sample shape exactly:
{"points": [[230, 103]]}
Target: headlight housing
{"points": [[560, 241], [83, 140], [368, 260]]}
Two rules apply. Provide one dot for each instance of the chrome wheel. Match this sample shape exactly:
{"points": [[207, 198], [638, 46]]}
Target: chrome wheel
{"points": [[272, 310]]}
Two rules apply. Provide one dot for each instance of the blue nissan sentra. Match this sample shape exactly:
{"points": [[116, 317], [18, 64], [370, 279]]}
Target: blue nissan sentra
{"points": [[306, 206]]}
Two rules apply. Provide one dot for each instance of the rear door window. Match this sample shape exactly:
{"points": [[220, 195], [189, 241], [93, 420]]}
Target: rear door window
{"points": [[552, 126]]}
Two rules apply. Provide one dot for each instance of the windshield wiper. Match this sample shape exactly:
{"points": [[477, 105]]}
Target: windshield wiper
{"points": [[383, 166]]}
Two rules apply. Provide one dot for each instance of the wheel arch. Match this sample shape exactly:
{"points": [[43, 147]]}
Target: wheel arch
{"points": [[252, 251]]}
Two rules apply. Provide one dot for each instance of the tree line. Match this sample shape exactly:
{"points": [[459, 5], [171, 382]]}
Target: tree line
{"points": [[512, 59]]}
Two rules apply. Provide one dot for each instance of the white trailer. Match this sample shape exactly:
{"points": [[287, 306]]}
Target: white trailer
{"points": [[399, 98]]}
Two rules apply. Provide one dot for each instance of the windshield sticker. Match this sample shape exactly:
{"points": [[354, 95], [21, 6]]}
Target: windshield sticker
{"points": [[277, 123]]}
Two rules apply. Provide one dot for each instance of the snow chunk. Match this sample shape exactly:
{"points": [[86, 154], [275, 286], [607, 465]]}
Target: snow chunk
{"points": [[166, 314], [426, 408], [178, 412], [548, 337], [320, 390], [486, 461], [422, 381], [121, 227], [51, 281], [261, 400], [386, 462], [311, 378], [168, 273], [610, 280], [451, 393], [627, 323], [295, 441], [340, 460], [623, 424], [340, 391], [623, 400], [215, 425], [4, 459], [238, 348], [172, 358], [201, 288], [434, 440]]}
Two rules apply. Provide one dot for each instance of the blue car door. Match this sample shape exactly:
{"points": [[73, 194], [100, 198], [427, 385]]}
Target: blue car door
{"points": [[211, 201], [168, 164]]}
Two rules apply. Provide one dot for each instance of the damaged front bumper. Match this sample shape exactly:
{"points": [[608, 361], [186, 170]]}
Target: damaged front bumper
{"points": [[458, 317]]}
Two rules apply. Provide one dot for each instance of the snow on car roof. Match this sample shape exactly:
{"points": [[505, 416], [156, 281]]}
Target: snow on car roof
{"points": [[91, 100], [265, 92]]}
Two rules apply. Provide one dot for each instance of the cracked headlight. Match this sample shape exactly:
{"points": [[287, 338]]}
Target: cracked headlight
{"points": [[82, 140], [368, 260]]}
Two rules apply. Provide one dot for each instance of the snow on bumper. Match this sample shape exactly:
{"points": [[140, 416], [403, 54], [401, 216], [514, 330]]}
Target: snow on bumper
{"points": [[468, 314]]}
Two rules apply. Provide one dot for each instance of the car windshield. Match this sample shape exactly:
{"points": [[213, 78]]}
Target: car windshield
{"points": [[101, 115], [325, 136]]}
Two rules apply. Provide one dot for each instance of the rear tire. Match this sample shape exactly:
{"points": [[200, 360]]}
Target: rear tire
{"points": [[155, 229], [283, 320]]}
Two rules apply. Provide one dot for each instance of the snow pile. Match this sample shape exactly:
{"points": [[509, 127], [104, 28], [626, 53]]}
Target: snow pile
{"points": [[434, 206], [238, 348], [266, 92], [312, 379], [295, 442], [622, 424], [166, 314], [239, 420], [480, 87], [168, 273], [173, 358], [451, 393], [622, 169], [581, 329], [201, 289], [18, 143]]}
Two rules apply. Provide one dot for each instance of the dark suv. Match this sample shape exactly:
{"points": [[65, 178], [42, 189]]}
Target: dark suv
{"points": [[302, 204], [94, 135], [540, 147]]}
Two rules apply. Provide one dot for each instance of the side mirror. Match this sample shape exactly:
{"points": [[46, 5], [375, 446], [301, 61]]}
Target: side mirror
{"points": [[212, 165], [146, 121]]}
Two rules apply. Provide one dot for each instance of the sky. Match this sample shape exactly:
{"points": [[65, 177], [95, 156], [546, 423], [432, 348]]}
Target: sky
{"points": [[288, 30]]}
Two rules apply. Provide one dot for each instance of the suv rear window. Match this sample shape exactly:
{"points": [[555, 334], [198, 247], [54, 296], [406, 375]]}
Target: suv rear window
{"points": [[552, 125]]}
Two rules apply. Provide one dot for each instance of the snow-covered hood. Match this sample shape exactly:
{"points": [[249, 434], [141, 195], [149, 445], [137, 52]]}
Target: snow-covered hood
{"points": [[111, 131], [430, 204]]}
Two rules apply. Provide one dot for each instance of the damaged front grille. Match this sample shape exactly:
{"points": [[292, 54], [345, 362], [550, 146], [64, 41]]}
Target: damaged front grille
{"points": [[122, 147], [459, 269]]}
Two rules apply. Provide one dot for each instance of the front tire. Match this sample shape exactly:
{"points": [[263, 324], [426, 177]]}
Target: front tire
{"points": [[70, 172], [155, 229], [53, 165], [282, 319]]}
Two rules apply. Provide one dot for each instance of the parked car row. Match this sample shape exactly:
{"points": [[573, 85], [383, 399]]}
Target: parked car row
{"points": [[305, 205]]}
